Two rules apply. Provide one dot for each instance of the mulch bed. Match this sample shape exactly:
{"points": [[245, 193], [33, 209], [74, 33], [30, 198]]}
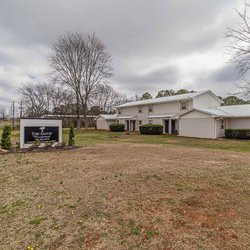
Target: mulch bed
{"points": [[15, 150]]}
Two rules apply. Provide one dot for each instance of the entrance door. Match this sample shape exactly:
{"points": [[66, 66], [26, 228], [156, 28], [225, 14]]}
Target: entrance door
{"points": [[167, 126], [173, 128], [127, 125], [133, 125]]}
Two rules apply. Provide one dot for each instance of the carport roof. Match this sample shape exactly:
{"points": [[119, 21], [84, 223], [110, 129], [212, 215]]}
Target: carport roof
{"points": [[107, 117], [233, 111]]}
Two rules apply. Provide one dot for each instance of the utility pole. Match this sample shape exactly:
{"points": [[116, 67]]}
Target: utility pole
{"points": [[13, 115], [21, 109]]}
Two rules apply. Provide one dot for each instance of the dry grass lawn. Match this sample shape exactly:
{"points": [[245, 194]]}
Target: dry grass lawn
{"points": [[125, 196]]}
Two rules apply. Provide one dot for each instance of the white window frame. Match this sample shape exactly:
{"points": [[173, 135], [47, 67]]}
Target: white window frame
{"points": [[140, 109], [184, 104], [140, 122], [150, 108]]}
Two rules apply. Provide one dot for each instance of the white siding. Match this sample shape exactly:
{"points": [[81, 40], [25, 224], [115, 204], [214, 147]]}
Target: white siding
{"points": [[238, 123], [206, 100], [131, 111], [166, 108], [103, 124], [197, 124]]}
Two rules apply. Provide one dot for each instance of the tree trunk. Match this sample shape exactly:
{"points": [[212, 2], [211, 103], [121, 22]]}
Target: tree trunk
{"points": [[78, 119], [85, 116]]}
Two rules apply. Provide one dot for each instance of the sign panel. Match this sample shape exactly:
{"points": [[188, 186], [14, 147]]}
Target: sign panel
{"points": [[41, 134]]}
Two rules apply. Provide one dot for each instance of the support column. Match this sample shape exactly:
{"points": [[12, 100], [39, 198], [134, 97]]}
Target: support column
{"points": [[163, 126], [169, 127]]}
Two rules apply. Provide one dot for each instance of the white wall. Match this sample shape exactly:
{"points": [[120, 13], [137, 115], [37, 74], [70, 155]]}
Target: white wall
{"points": [[38, 123], [197, 124], [206, 100], [238, 123], [165, 108], [103, 124], [158, 109]]}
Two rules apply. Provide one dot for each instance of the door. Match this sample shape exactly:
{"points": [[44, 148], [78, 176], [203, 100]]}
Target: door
{"points": [[127, 125], [173, 127], [133, 125], [167, 126]]}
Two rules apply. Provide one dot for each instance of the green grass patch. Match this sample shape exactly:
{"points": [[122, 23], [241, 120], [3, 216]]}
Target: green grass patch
{"points": [[37, 221], [92, 137]]}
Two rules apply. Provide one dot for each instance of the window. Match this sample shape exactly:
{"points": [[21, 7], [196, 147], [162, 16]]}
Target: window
{"points": [[184, 105], [140, 109], [119, 111], [150, 121], [222, 124], [150, 108], [140, 122]]}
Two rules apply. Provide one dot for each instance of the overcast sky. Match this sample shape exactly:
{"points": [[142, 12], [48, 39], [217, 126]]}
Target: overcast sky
{"points": [[155, 45]]}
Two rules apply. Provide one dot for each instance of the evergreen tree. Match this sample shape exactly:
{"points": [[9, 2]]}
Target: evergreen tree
{"points": [[71, 136], [6, 138]]}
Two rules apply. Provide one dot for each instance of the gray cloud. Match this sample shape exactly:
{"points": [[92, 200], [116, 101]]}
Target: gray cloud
{"points": [[153, 43], [161, 78], [225, 74]]}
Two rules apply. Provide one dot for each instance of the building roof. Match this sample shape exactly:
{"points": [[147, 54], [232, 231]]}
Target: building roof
{"points": [[162, 116], [67, 116], [107, 117], [165, 99], [228, 111], [126, 117]]}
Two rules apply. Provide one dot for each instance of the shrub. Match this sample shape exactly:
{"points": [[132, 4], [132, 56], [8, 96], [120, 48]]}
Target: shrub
{"points": [[6, 138], [117, 127], [71, 136], [237, 133], [151, 129], [49, 144], [36, 144]]}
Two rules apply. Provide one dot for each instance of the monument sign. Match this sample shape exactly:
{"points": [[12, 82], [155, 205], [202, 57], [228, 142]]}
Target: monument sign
{"points": [[42, 130]]}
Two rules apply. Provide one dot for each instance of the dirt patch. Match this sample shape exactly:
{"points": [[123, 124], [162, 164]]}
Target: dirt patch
{"points": [[125, 196]]}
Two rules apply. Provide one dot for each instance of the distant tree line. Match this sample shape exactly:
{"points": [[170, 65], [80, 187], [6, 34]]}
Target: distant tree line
{"points": [[47, 98]]}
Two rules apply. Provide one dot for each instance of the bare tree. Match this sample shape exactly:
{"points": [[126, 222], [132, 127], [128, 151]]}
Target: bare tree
{"points": [[61, 97], [81, 63], [239, 48], [44, 98], [106, 98], [34, 98], [239, 45]]}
